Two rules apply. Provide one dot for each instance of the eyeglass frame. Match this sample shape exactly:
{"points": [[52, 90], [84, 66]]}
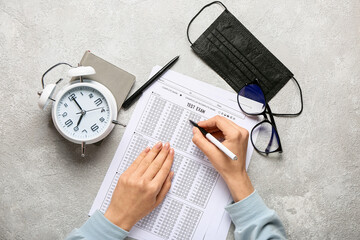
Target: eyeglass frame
{"points": [[272, 120]]}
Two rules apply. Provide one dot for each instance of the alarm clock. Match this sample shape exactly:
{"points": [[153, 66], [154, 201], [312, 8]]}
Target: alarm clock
{"points": [[84, 111]]}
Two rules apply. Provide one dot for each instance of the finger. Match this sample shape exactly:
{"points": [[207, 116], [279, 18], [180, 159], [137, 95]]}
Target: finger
{"points": [[211, 130], [216, 129], [156, 165], [145, 163], [138, 160], [218, 135], [164, 189], [221, 123], [165, 169], [238, 131], [234, 124], [214, 122], [201, 142]]}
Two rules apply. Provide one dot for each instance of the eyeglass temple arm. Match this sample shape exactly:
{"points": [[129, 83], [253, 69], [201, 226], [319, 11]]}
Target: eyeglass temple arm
{"points": [[271, 115], [274, 129]]}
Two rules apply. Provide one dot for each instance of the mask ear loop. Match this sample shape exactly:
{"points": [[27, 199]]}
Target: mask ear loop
{"points": [[207, 5], [302, 105]]}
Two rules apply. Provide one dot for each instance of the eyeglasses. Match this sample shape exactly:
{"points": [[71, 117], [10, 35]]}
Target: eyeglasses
{"points": [[251, 100]]}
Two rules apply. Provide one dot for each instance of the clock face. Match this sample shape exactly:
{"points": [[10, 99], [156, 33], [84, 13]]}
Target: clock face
{"points": [[83, 114]]}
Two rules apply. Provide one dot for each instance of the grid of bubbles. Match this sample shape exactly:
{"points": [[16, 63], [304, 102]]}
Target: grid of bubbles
{"points": [[135, 147], [107, 199], [169, 122], [193, 181], [168, 215], [152, 115]]}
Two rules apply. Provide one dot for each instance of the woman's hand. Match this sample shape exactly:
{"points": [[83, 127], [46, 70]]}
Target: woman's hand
{"points": [[142, 187], [236, 140]]}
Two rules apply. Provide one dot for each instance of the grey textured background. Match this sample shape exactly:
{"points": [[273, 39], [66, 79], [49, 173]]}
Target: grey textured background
{"points": [[47, 189]]}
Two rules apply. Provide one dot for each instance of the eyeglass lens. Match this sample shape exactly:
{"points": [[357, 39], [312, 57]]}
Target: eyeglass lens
{"points": [[251, 99], [267, 140]]}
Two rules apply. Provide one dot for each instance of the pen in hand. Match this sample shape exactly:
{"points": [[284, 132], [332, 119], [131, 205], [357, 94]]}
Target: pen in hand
{"points": [[216, 142]]}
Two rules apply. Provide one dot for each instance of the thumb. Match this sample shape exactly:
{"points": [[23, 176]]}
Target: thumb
{"points": [[201, 142]]}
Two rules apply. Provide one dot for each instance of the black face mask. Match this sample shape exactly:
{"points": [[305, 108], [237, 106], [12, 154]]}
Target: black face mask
{"points": [[238, 56]]}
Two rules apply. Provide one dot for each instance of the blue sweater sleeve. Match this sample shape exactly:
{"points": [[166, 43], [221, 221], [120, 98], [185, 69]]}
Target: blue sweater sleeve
{"points": [[98, 227], [254, 220]]}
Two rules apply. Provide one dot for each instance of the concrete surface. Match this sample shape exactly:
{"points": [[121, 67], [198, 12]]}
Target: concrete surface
{"points": [[47, 188]]}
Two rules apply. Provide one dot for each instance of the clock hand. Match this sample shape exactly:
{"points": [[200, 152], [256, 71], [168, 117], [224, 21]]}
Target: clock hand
{"points": [[77, 103], [82, 115], [90, 110]]}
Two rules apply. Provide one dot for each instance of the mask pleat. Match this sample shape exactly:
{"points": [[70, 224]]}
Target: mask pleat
{"points": [[241, 58]]}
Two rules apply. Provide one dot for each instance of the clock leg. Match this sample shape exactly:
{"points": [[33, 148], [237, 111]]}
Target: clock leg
{"points": [[118, 123], [83, 149]]}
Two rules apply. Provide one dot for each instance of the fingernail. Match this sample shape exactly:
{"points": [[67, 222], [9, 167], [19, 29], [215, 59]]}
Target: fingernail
{"points": [[147, 149], [194, 130], [167, 145], [172, 151], [172, 175], [158, 145]]}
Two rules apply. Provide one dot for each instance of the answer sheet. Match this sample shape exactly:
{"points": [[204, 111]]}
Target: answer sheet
{"points": [[194, 206]]}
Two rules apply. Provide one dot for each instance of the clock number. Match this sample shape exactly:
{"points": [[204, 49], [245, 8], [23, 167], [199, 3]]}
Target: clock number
{"points": [[91, 95], [94, 127], [65, 105], [64, 114], [76, 128], [69, 122], [102, 119], [72, 96], [98, 101]]}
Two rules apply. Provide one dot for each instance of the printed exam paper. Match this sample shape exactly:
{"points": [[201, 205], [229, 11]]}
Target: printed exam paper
{"points": [[198, 194]]}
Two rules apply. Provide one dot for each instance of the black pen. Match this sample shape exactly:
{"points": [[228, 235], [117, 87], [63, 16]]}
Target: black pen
{"points": [[138, 93]]}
